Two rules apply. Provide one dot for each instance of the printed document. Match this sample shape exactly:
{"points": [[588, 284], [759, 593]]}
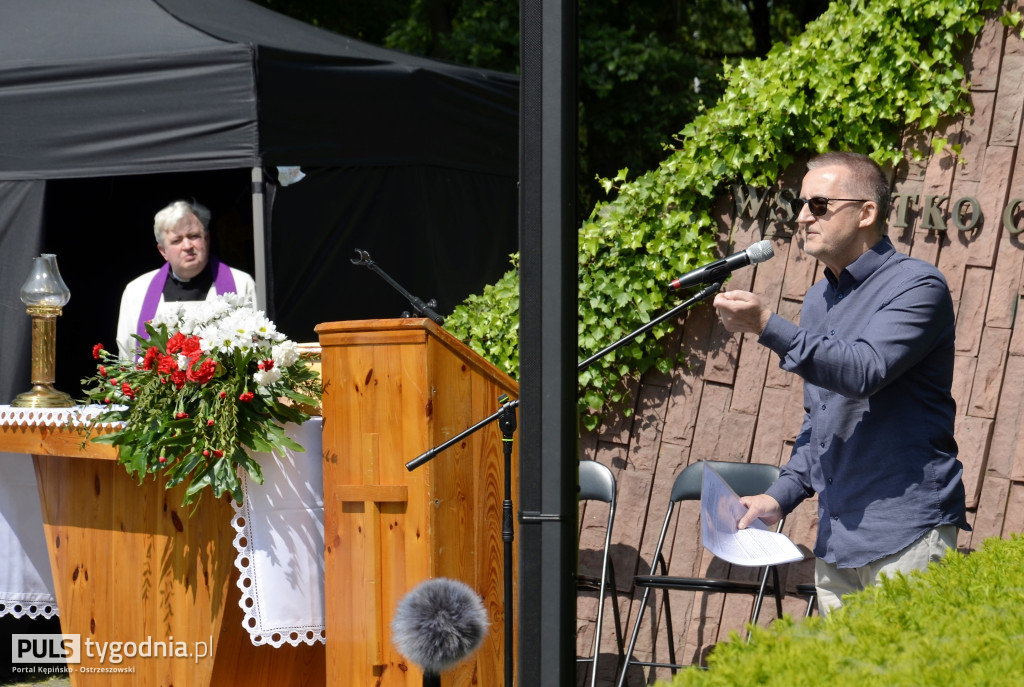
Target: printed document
{"points": [[720, 513]]}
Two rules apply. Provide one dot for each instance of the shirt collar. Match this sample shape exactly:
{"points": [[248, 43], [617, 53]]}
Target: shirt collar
{"points": [[864, 266]]}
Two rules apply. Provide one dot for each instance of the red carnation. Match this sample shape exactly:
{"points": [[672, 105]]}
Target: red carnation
{"points": [[166, 364], [206, 452], [217, 454], [103, 371], [191, 348], [96, 351], [178, 377], [209, 423], [180, 416], [175, 343], [223, 394], [203, 372], [246, 396], [162, 459], [126, 389], [151, 354]]}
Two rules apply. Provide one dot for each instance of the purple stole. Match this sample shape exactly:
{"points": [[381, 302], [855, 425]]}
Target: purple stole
{"points": [[222, 281]]}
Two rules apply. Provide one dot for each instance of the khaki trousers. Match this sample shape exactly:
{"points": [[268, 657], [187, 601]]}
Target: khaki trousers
{"points": [[833, 582]]}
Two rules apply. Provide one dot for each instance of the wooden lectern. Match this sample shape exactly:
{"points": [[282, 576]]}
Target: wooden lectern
{"points": [[130, 566], [394, 389]]}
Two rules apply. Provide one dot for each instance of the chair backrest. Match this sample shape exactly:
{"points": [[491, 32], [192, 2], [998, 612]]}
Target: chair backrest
{"points": [[746, 479], [597, 482]]}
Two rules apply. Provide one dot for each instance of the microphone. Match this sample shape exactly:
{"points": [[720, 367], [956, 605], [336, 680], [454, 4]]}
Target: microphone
{"points": [[720, 269], [437, 624]]}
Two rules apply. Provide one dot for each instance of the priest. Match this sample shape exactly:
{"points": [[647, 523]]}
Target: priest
{"points": [[190, 273]]}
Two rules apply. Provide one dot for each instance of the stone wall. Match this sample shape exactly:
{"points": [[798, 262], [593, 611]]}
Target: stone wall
{"points": [[729, 400]]}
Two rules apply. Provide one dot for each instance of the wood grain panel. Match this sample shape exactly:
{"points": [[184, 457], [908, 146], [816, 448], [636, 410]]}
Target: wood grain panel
{"points": [[410, 386]]}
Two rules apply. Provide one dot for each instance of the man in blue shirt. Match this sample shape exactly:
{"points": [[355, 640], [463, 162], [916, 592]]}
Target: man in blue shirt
{"points": [[875, 350]]}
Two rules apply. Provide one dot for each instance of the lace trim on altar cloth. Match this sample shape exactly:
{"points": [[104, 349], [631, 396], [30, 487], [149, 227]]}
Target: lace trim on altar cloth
{"points": [[77, 416], [20, 608], [279, 545]]}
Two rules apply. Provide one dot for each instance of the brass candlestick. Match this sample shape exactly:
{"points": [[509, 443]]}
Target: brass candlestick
{"points": [[44, 294]]}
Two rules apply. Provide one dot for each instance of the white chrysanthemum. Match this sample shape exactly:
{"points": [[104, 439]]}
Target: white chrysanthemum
{"points": [[182, 361], [285, 354], [267, 377], [170, 317], [225, 324], [218, 338]]}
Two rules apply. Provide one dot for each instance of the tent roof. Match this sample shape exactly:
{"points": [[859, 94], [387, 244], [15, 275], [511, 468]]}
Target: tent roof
{"points": [[141, 86]]}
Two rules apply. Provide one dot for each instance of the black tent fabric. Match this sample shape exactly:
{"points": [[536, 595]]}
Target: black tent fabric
{"points": [[129, 86], [112, 108]]}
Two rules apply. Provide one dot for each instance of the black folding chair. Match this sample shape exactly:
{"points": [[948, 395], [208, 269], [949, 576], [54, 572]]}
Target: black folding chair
{"points": [[746, 479], [597, 483]]}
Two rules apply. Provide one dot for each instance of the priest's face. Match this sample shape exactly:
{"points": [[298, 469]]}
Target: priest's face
{"points": [[186, 246]]}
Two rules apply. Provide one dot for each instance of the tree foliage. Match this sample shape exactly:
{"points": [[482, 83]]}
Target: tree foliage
{"points": [[645, 66], [857, 79]]}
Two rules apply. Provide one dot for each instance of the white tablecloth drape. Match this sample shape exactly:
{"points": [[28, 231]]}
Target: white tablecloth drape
{"points": [[26, 583], [279, 539], [280, 544]]}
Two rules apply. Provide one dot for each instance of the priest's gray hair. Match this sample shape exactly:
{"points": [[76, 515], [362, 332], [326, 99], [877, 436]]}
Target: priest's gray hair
{"points": [[165, 220]]}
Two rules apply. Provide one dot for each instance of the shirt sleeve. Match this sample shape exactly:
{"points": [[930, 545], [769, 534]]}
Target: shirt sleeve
{"points": [[891, 339]]}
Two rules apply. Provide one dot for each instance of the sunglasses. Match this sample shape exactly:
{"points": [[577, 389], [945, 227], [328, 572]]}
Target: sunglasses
{"points": [[818, 205]]}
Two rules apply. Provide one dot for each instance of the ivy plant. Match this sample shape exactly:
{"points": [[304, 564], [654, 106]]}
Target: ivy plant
{"points": [[860, 77]]}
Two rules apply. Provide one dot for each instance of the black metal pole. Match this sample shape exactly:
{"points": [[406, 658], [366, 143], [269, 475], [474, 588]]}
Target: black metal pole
{"points": [[696, 298], [548, 307], [507, 423], [424, 309]]}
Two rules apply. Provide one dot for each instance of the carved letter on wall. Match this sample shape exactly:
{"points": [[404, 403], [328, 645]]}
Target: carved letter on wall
{"points": [[974, 212], [900, 205], [1008, 213], [782, 211], [748, 204], [932, 214]]}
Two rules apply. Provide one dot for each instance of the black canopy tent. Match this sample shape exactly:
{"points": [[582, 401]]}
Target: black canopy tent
{"points": [[112, 108]]}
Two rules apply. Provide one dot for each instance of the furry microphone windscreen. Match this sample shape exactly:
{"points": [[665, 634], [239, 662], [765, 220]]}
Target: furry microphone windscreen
{"points": [[439, 623]]}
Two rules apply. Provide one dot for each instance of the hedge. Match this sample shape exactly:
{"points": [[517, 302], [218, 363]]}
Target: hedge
{"points": [[961, 622]]}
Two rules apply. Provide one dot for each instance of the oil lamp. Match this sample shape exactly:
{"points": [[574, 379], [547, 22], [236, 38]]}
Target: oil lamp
{"points": [[44, 294]]}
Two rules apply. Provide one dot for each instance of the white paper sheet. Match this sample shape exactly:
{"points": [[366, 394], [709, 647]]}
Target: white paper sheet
{"points": [[720, 513]]}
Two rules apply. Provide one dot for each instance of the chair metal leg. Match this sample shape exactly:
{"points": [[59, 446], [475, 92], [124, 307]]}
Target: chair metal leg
{"points": [[615, 614], [633, 637]]}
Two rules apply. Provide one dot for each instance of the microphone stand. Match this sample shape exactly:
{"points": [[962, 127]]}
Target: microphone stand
{"points": [[506, 417], [425, 309]]}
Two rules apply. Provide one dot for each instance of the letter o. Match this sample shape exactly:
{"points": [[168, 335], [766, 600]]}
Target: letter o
{"points": [[957, 212], [1008, 216]]}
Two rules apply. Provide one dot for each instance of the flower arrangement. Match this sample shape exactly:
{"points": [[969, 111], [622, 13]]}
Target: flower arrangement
{"points": [[214, 381]]}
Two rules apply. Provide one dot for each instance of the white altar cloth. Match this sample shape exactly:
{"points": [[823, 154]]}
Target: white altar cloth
{"points": [[279, 542], [26, 583]]}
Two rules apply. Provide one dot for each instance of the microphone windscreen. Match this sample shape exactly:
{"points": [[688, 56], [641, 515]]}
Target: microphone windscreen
{"points": [[439, 623]]}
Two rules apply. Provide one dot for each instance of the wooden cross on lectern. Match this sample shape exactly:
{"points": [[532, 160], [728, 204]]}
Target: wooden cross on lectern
{"points": [[372, 495]]}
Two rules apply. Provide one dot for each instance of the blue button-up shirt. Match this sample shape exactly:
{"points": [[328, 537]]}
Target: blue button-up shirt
{"points": [[875, 350]]}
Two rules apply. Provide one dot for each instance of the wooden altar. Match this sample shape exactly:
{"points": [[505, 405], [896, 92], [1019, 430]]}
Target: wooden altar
{"points": [[131, 566]]}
